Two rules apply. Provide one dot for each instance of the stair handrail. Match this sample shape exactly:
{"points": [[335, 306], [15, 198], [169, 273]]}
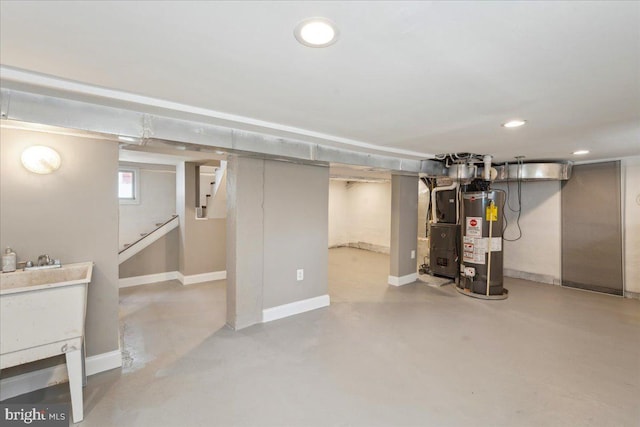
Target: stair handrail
{"points": [[148, 234]]}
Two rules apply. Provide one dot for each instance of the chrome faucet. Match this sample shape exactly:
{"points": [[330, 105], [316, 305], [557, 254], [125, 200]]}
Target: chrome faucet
{"points": [[44, 260]]}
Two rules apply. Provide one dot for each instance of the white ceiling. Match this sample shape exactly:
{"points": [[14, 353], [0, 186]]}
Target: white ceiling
{"points": [[415, 77]]}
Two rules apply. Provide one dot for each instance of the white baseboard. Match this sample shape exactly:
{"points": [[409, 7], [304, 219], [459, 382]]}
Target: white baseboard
{"points": [[371, 247], [146, 279], [534, 277], [172, 275], [403, 280], [293, 308], [629, 294], [103, 362], [36, 380], [199, 278]]}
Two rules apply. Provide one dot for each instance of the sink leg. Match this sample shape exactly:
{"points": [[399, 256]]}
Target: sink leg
{"points": [[74, 368], [84, 368]]}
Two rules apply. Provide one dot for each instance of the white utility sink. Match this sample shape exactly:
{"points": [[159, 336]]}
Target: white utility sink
{"points": [[42, 314]]}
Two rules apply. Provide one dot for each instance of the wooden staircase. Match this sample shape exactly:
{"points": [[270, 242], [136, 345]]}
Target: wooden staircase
{"points": [[146, 239]]}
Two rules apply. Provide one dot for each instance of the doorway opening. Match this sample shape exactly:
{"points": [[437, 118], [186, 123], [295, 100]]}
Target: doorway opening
{"points": [[359, 233]]}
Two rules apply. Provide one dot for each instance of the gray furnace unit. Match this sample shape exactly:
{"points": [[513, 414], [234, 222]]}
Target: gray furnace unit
{"points": [[446, 209], [444, 249]]}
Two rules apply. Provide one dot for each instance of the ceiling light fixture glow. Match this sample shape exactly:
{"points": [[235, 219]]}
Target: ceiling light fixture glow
{"points": [[581, 152], [514, 123], [40, 159], [316, 32]]}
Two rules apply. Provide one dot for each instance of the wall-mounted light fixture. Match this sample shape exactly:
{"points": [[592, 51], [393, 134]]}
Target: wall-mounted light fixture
{"points": [[40, 159]]}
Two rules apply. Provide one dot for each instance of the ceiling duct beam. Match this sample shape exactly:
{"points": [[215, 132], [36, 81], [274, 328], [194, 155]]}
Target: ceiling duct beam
{"points": [[53, 111], [88, 116], [540, 171], [433, 168]]}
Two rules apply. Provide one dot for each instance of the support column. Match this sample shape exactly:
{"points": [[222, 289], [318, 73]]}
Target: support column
{"points": [[277, 243], [181, 211], [404, 230], [245, 246]]}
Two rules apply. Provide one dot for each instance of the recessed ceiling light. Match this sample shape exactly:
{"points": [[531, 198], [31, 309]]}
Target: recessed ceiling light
{"points": [[514, 123], [581, 152], [316, 32]]}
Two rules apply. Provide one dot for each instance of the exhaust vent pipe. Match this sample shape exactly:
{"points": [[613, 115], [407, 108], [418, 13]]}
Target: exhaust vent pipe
{"points": [[487, 167]]}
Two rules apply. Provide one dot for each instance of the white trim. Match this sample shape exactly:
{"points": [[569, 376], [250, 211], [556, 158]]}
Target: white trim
{"points": [[371, 247], [42, 80], [286, 310], [146, 279], [103, 362], [403, 280], [148, 240], [172, 275], [42, 378], [534, 277], [629, 294], [199, 278]]}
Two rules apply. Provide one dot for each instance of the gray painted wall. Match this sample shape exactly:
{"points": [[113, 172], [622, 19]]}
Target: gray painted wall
{"points": [[202, 247], [159, 257], [536, 255], [245, 256], [277, 223], [71, 214], [296, 199], [404, 224]]}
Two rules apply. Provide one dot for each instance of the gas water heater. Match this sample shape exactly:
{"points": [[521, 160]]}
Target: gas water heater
{"points": [[481, 261]]}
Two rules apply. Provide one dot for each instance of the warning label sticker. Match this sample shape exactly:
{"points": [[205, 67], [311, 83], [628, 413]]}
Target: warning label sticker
{"points": [[492, 213], [473, 250], [474, 226], [496, 244]]}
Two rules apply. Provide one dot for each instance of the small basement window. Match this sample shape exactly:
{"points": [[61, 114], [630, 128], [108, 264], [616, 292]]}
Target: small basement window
{"points": [[128, 186]]}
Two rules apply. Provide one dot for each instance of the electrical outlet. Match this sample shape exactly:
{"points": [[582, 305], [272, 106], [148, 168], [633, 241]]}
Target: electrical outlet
{"points": [[300, 274], [413, 254]]}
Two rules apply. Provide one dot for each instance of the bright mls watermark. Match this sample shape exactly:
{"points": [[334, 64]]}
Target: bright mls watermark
{"points": [[41, 415]]}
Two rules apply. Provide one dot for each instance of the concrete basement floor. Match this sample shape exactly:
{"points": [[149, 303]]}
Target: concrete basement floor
{"points": [[378, 356]]}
